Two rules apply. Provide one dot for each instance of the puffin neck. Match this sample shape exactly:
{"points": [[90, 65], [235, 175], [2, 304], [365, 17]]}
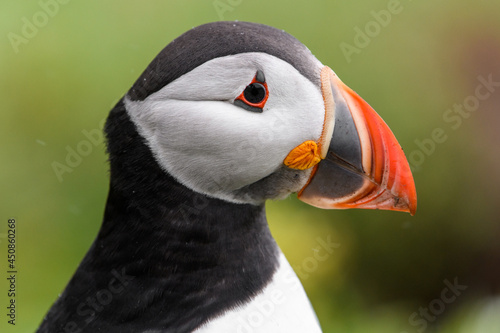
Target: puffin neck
{"points": [[189, 257]]}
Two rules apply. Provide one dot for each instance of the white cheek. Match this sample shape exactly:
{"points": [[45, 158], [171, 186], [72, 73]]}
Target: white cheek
{"points": [[214, 81], [296, 108], [215, 147]]}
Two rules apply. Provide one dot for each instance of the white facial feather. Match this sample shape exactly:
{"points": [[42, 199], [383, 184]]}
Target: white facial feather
{"points": [[210, 145]]}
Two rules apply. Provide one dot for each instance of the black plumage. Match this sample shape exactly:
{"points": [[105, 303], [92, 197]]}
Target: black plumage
{"points": [[185, 257], [219, 39]]}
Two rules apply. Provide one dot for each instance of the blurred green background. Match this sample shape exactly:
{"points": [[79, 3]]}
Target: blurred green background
{"points": [[62, 77]]}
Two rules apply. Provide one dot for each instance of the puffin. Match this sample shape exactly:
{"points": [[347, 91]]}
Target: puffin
{"points": [[227, 116]]}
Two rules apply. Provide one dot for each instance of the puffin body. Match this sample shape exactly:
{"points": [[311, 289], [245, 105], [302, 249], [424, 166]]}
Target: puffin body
{"points": [[227, 116]]}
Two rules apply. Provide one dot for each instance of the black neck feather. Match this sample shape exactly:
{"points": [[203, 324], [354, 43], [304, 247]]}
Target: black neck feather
{"points": [[166, 258]]}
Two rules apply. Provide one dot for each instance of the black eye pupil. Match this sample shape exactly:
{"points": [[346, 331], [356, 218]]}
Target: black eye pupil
{"points": [[255, 93]]}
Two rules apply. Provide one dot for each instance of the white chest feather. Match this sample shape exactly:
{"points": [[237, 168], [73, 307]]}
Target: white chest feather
{"points": [[282, 307]]}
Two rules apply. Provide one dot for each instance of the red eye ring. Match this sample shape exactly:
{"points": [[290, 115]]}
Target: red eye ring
{"points": [[255, 95]]}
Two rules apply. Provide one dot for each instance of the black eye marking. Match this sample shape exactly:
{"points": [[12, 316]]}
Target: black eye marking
{"points": [[255, 95], [260, 76]]}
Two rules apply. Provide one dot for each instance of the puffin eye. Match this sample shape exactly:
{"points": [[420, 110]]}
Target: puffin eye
{"points": [[255, 95]]}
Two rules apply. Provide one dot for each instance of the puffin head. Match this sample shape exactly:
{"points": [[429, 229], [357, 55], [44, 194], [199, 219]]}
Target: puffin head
{"points": [[244, 112]]}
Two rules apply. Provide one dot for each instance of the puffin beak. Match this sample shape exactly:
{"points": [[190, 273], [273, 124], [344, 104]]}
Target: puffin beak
{"points": [[361, 163]]}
